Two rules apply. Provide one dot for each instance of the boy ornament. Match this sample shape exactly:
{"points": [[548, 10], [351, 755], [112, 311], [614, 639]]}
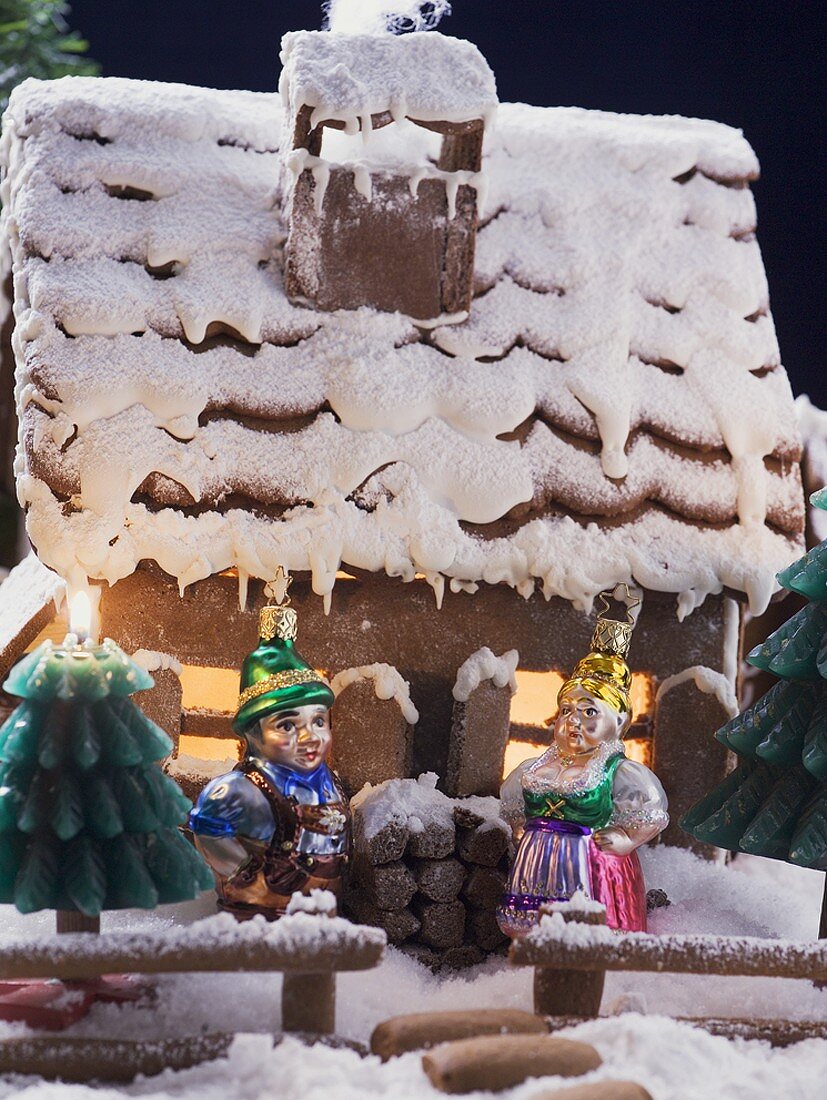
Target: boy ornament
{"points": [[280, 821], [583, 807]]}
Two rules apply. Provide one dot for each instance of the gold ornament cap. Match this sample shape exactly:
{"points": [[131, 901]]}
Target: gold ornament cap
{"points": [[604, 671], [614, 636], [278, 622]]}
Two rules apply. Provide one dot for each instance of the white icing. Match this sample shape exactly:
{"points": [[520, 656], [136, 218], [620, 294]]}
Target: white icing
{"points": [[26, 591], [413, 453], [387, 682], [153, 661], [731, 642], [299, 160], [706, 680], [577, 903], [349, 77], [484, 665], [812, 423]]}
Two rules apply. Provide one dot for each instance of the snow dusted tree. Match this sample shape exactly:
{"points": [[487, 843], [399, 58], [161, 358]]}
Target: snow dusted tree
{"points": [[775, 801]]}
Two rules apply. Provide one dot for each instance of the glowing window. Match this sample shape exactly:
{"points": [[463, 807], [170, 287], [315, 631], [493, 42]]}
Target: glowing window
{"points": [[212, 689], [536, 698], [639, 749], [210, 748], [518, 751]]}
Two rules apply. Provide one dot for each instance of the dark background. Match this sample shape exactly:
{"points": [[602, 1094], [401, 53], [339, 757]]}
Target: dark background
{"points": [[753, 65]]}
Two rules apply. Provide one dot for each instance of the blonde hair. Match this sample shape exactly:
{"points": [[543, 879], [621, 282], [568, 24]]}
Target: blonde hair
{"points": [[605, 676]]}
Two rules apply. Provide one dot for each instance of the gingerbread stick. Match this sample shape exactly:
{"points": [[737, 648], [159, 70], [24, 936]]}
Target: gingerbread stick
{"points": [[495, 1062], [423, 1030]]}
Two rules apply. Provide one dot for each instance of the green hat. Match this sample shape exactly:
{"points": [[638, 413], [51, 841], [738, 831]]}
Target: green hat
{"points": [[275, 676]]}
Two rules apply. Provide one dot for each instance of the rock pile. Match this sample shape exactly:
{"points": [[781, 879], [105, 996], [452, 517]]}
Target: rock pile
{"points": [[429, 870]]}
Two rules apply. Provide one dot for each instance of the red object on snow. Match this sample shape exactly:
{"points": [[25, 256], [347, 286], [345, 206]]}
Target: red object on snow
{"points": [[54, 1005]]}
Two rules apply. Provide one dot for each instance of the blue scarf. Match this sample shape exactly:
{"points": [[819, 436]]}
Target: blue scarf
{"points": [[290, 782]]}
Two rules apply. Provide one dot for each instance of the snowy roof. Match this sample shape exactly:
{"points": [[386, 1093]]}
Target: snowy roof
{"points": [[612, 409], [422, 75]]}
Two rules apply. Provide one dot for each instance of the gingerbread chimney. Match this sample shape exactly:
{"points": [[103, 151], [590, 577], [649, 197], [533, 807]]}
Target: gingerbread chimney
{"points": [[382, 169]]}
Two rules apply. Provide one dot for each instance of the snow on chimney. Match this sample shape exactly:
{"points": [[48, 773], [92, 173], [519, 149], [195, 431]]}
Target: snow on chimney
{"points": [[382, 173]]}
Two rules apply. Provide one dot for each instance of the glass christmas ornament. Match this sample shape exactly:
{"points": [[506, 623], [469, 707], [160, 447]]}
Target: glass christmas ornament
{"points": [[582, 808], [279, 823]]}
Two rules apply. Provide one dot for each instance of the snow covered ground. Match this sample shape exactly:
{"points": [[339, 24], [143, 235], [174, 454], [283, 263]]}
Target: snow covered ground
{"points": [[675, 1062]]}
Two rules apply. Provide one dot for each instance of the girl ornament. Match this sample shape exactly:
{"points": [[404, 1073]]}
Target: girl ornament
{"points": [[583, 807]]}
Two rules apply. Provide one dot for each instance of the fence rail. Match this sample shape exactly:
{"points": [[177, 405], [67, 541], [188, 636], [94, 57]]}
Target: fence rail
{"points": [[308, 951], [572, 952], [174, 951], [567, 949]]}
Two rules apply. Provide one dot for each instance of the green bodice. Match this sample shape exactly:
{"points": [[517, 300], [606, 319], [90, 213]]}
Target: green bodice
{"points": [[591, 808]]}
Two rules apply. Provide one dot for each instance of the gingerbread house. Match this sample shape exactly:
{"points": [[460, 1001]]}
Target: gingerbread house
{"points": [[458, 370]]}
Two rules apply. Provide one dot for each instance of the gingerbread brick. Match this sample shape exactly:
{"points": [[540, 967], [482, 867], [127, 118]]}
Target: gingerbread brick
{"points": [[442, 923], [479, 735], [483, 930], [398, 924], [385, 754], [384, 846], [435, 841], [484, 887], [699, 714], [597, 1090], [486, 844], [389, 886], [439, 879], [163, 703]]}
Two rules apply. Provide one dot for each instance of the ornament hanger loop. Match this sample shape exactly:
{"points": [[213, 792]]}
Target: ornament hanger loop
{"points": [[278, 588], [628, 598]]}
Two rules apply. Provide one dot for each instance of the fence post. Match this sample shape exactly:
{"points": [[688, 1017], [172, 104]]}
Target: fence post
{"points": [[569, 992], [308, 1002], [308, 999]]}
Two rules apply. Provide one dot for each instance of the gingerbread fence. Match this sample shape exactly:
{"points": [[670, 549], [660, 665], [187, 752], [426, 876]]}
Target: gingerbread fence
{"points": [[570, 963], [308, 949]]}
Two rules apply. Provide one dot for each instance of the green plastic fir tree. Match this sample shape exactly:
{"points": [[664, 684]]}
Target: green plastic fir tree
{"points": [[775, 802], [88, 821], [35, 40]]}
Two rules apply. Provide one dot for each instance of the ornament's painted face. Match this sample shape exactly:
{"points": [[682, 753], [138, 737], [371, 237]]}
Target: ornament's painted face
{"points": [[583, 723], [298, 738]]}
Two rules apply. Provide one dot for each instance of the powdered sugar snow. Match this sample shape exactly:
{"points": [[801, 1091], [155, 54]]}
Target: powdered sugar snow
{"points": [[674, 1061]]}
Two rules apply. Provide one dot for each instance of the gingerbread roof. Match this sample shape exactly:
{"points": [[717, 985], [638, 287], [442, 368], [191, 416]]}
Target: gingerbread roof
{"points": [[613, 408]]}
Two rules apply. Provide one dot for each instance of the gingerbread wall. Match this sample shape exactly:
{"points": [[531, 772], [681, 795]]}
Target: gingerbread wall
{"points": [[376, 618]]}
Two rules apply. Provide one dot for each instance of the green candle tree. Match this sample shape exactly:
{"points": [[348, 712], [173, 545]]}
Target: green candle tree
{"points": [[88, 821], [775, 802]]}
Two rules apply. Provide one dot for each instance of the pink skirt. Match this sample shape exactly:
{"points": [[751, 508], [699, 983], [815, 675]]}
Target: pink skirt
{"points": [[617, 882]]}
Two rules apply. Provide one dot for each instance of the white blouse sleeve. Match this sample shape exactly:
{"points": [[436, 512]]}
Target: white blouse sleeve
{"points": [[639, 798], [512, 806]]}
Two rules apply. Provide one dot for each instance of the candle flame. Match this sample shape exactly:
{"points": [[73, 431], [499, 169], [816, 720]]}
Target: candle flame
{"points": [[80, 615]]}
